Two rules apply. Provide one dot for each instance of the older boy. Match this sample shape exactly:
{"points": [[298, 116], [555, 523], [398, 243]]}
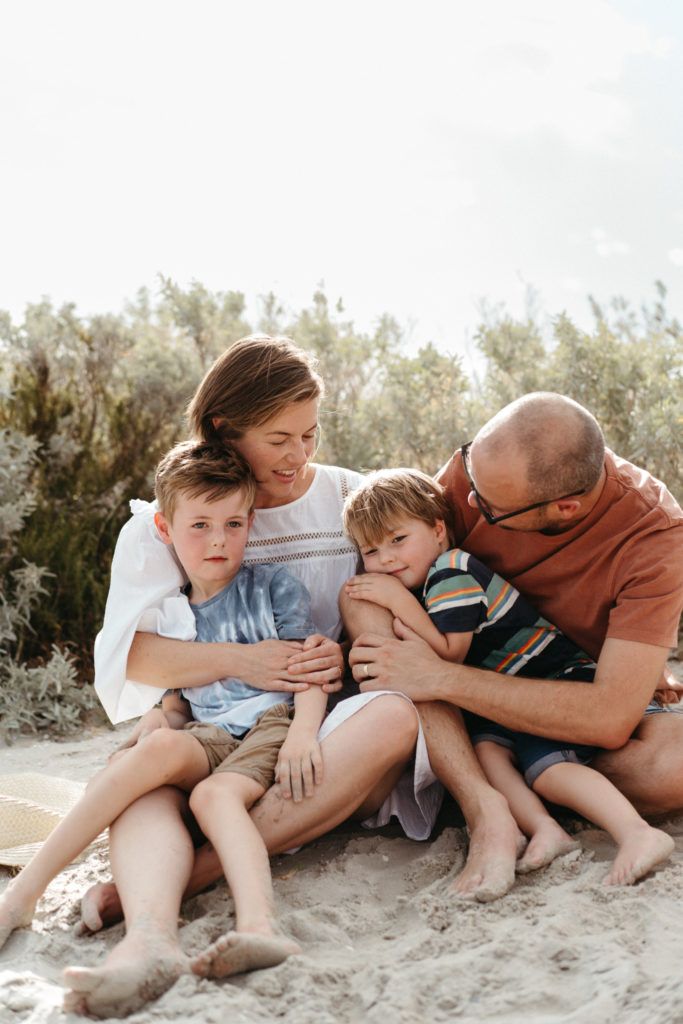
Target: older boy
{"points": [[241, 737]]}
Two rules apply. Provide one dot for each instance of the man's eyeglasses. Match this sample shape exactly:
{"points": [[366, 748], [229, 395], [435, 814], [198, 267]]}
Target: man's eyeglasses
{"points": [[485, 509]]}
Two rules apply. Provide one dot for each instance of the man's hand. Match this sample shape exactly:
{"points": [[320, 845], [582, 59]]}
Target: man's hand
{"points": [[299, 766], [407, 664], [320, 662], [378, 587]]}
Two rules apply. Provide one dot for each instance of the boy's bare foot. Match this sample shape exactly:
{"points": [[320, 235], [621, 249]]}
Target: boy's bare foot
{"points": [[548, 842], [237, 952], [495, 843], [641, 851], [14, 913], [100, 907], [141, 968]]}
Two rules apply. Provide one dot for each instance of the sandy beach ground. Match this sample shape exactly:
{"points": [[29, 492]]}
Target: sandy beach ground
{"points": [[382, 940]]}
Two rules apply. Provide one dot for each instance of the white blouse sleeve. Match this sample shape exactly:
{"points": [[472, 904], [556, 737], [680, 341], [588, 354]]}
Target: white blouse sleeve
{"points": [[144, 594]]}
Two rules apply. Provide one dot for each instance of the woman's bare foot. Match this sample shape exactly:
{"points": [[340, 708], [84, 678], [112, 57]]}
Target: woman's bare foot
{"points": [[15, 912], [142, 967], [238, 952], [100, 907], [642, 849], [548, 842], [495, 844]]}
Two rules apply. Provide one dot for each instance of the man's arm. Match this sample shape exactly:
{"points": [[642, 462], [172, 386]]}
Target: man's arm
{"points": [[603, 713]]}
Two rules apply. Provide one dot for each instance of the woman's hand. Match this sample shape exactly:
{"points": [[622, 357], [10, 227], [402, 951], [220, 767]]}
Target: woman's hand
{"points": [[299, 765], [264, 665], [320, 661]]}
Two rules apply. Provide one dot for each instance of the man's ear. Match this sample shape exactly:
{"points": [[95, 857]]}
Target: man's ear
{"points": [[568, 508], [161, 524]]}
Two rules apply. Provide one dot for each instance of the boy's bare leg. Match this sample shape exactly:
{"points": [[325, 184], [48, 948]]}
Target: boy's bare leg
{"points": [[152, 877], [547, 838], [641, 847], [220, 805], [165, 756], [495, 840], [363, 761]]}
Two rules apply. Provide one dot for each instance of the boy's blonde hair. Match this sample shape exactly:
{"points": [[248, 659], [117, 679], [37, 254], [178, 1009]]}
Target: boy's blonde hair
{"points": [[197, 469], [254, 380], [385, 497]]}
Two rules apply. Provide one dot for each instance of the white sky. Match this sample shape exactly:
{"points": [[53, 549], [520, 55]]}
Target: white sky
{"points": [[416, 157]]}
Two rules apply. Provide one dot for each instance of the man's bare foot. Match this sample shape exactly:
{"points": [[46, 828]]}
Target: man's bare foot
{"points": [[141, 968], [495, 843], [237, 952], [100, 907], [548, 842], [641, 851], [15, 912]]}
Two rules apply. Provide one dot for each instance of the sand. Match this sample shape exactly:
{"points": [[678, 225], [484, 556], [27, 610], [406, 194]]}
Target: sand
{"points": [[382, 941]]}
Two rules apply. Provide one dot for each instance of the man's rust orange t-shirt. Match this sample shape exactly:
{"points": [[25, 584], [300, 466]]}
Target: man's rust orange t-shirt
{"points": [[617, 573]]}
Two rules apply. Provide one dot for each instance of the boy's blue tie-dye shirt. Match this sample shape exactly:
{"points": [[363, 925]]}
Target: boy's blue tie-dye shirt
{"points": [[263, 602]]}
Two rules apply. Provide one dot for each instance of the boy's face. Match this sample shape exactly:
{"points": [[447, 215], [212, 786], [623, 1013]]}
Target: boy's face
{"points": [[407, 552], [209, 539]]}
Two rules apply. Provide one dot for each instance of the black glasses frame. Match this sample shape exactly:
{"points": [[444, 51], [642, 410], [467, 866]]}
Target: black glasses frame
{"points": [[484, 508]]}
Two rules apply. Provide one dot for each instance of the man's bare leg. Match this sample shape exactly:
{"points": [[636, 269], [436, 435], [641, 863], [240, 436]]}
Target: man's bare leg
{"points": [[495, 840], [151, 877], [649, 768], [359, 774]]}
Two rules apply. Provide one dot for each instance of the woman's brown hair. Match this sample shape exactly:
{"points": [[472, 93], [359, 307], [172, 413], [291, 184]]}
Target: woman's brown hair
{"points": [[249, 384]]}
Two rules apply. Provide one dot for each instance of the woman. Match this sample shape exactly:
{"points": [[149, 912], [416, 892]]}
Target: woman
{"points": [[262, 397]]}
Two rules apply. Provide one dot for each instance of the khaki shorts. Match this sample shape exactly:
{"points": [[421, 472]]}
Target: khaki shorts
{"points": [[254, 755]]}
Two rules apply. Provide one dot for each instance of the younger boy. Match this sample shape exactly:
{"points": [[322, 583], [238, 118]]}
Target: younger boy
{"points": [[399, 521], [241, 736]]}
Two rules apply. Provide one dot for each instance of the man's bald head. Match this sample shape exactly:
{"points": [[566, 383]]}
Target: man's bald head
{"points": [[560, 443]]}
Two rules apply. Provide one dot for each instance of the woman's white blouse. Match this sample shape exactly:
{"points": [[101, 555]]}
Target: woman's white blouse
{"points": [[145, 592]]}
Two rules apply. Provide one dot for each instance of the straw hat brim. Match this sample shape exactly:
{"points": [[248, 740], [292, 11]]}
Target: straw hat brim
{"points": [[31, 805]]}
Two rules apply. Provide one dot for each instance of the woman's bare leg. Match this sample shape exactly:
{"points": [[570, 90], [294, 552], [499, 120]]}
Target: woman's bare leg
{"points": [[359, 773], [151, 856]]}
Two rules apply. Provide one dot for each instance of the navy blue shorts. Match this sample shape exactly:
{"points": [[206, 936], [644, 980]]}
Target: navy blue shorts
{"points": [[535, 753]]}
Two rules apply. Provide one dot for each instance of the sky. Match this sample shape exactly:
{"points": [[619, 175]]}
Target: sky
{"points": [[417, 159]]}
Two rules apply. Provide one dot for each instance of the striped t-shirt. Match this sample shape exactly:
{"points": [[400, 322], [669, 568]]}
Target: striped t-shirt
{"points": [[462, 596]]}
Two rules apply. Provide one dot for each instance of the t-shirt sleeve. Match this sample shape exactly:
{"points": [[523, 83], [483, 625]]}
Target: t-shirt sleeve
{"points": [[291, 604], [648, 582], [144, 593], [455, 598]]}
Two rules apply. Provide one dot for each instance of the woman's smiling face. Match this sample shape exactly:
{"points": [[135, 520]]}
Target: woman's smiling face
{"points": [[278, 452]]}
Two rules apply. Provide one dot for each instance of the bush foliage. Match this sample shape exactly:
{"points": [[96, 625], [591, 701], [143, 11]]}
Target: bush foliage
{"points": [[88, 405]]}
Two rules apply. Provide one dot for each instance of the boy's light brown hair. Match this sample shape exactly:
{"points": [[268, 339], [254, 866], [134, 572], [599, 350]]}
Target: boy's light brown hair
{"points": [[197, 469], [385, 497]]}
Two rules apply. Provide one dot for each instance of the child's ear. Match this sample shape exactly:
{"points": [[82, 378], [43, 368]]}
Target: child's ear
{"points": [[250, 521], [161, 524], [440, 530]]}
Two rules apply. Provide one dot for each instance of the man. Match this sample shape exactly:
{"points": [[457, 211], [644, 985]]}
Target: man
{"points": [[596, 544]]}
